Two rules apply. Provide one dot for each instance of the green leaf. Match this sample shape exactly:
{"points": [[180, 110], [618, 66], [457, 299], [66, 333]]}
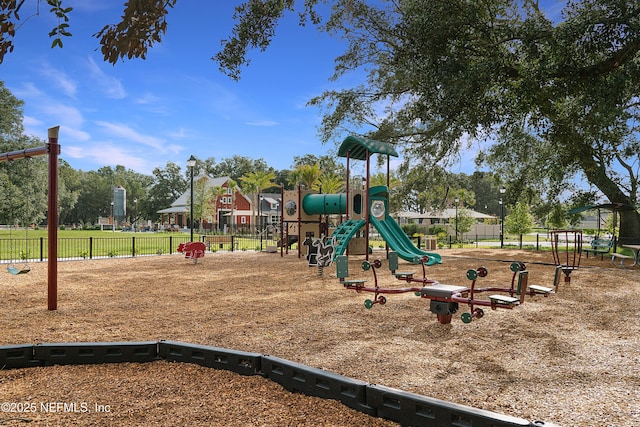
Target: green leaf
{"points": [[56, 42]]}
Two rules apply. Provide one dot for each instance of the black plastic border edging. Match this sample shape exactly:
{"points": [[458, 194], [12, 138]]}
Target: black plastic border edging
{"points": [[240, 362], [407, 409], [304, 379], [411, 409], [17, 356], [95, 352]]}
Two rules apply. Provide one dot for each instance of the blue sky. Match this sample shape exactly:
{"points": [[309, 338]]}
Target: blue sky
{"points": [[144, 113]]}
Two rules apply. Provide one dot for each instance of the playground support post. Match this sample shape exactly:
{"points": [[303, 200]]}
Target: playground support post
{"points": [[502, 191], [283, 235], [191, 164], [52, 219], [53, 150], [368, 207]]}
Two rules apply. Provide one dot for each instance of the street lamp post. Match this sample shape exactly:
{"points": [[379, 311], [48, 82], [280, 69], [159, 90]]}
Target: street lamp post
{"points": [[191, 164], [135, 213], [456, 200], [502, 191], [113, 220]]}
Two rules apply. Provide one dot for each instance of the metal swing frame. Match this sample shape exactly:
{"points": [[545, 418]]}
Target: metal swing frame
{"points": [[52, 150]]}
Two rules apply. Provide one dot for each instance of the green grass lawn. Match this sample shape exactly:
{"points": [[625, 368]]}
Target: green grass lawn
{"points": [[16, 245]]}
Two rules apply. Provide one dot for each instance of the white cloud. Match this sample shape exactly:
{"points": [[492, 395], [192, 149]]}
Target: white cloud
{"points": [[28, 90], [63, 114], [60, 79], [111, 86], [73, 134], [131, 135], [102, 154], [262, 123], [28, 121], [74, 151], [147, 98], [174, 148], [179, 134]]}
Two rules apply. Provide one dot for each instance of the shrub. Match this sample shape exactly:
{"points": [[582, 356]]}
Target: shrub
{"points": [[436, 230], [411, 229]]}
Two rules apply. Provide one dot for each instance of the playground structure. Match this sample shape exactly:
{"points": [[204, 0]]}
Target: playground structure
{"points": [[567, 251], [305, 212], [192, 250], [52, 150], [445, 299], [302, 217]]}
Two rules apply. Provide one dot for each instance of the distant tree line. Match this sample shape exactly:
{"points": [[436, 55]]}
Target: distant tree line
{"points": [[84, 196]]}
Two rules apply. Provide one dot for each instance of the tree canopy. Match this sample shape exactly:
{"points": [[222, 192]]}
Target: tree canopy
{"points": [[554, 98]]}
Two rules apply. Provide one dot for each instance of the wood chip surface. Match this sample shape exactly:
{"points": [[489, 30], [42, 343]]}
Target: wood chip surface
{"points": [[572, 359]]}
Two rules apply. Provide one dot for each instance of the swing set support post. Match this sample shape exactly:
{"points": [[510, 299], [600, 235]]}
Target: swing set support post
{"points": [[52, 219], [52, 149]]}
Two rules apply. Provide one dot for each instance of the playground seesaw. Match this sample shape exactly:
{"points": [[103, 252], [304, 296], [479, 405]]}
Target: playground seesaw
{"points": [[445, 299]]}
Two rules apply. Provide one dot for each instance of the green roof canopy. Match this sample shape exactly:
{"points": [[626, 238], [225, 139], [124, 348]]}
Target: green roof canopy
{"points": [[357, 148]]}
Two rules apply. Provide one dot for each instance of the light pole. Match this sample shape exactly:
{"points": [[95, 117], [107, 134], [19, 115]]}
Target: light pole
{"points": [[456, 200], [113, 220], [135, 213], [502, 191], [191, 164]]}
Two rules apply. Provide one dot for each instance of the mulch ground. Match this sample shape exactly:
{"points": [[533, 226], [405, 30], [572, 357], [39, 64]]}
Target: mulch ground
{"points": [[572, 358]]}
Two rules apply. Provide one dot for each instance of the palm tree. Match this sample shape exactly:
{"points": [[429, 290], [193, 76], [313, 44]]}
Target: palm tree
{"points": [[329, 183], [308, 174], [294, 178], [381, 179], [250, 187]]}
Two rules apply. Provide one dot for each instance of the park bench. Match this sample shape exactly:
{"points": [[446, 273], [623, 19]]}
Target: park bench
{"points": [[599, 247], [220, 241], [615, 256]]}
